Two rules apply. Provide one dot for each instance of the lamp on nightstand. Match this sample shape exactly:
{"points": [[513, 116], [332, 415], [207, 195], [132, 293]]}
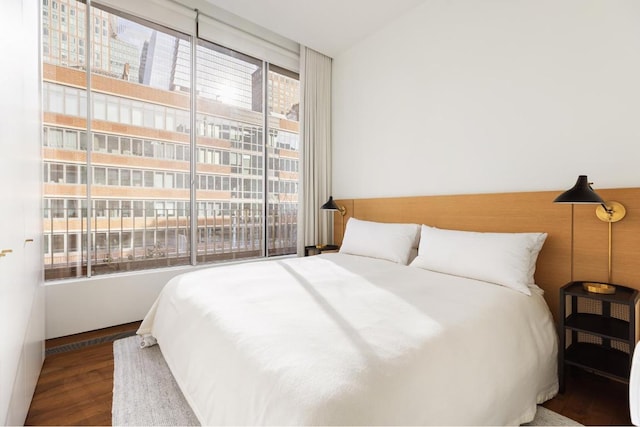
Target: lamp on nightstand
{"points": [[610, 212], [331, 205]]}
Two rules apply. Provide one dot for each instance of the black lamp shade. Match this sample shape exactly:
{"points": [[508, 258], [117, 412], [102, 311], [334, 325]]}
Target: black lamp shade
{"points": [[581, 193], [330, 205]]}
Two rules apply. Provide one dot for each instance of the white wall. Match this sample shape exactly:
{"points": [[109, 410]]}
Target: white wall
{"points": [[468, 96], [21, 290], [74, 306], [80, 305]]}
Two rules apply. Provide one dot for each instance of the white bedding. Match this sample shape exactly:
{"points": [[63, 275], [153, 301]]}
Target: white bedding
{"points": [[343, 339]]}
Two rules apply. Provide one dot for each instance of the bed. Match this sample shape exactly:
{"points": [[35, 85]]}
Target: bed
{"points": [[351, 339]]}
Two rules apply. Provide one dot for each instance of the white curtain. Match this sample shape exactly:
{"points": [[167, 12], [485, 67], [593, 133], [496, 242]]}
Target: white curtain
{"points": [[315, 225]]}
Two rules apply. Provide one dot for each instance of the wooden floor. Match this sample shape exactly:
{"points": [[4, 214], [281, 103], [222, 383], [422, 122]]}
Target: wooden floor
{"points": [[592, 400], [75, 388]]}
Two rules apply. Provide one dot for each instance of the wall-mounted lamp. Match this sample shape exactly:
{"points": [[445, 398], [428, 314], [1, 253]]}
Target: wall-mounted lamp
{"points": [[331, 205], [610, 212]]}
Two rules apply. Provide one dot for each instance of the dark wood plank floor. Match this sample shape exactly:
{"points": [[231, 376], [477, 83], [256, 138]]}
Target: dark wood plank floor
{"points": [[75, 388], [592, 400]]}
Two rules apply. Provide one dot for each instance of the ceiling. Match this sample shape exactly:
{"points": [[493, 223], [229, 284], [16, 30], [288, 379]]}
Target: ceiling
{"points": [[328, 26]]}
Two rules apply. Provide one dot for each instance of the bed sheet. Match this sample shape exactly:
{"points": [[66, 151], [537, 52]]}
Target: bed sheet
{"points": [[342, 339]]}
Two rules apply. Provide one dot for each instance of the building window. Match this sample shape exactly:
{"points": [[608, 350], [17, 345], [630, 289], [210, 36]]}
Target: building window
{"points": [[71, 140], [125, 178], [56, 173], [58, 243], [113, 176], [72, 174]]}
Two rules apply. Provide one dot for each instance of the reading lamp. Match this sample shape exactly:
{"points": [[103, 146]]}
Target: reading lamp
{"points": [[610, 212], [331, 205]]}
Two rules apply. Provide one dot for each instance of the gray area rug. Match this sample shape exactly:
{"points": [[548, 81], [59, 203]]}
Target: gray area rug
{"points": [[145, 392], [546, 417]]}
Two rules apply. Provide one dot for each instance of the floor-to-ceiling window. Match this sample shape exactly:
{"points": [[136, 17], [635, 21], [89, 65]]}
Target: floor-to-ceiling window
{"points": [[121, 155]]}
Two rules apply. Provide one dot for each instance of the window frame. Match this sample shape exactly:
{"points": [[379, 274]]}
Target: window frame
{"points": [[247, 187]]}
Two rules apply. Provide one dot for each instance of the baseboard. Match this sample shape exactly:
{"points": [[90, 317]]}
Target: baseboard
{"points": [[88, 342]]}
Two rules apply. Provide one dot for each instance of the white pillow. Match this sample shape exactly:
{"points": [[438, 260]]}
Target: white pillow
{"points": [[392, 242], [507, 259]]}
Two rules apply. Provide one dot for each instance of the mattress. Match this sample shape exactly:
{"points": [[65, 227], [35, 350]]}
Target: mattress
{"points": [[339, 339]]}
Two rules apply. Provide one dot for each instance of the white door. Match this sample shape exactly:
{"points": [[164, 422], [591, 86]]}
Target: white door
{"points": [[21, 284]]}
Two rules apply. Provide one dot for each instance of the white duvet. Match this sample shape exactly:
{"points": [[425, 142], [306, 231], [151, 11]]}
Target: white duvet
{"points": [[342, 339]]}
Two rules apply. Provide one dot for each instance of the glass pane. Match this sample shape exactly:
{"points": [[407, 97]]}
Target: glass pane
{"points": [[72, 174], [136, 53], [64, 118], [125, 55], [228, 86], [71, 140], [283, 154]]}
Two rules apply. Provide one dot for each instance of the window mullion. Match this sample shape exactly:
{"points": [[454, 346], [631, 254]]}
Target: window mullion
{"points": [[89, 171], [265, 151], [193, 141]]}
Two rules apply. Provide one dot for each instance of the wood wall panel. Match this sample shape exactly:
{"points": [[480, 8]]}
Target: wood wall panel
{"points": [[527, 212]]}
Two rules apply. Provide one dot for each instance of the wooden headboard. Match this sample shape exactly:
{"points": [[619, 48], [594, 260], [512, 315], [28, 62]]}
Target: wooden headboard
{"points": [[526, 212]]}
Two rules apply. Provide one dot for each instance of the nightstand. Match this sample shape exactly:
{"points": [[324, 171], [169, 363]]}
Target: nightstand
{"points": [[597, 331], [315, 250]]}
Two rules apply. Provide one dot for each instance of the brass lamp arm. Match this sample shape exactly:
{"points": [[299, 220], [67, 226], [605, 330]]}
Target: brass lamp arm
{"points": [[611, 211]]}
